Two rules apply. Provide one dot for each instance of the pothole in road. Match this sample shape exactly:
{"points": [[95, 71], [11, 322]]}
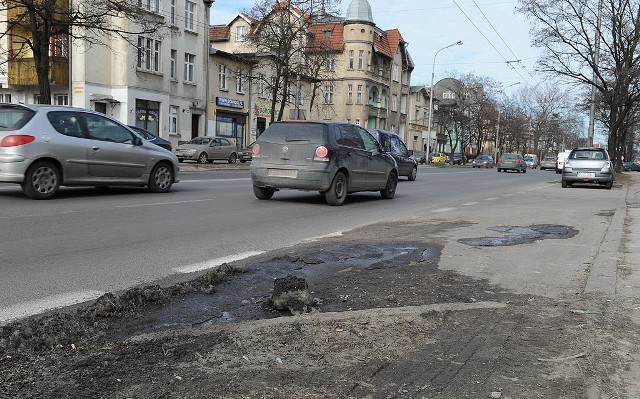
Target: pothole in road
{"points": [[514, 235]]}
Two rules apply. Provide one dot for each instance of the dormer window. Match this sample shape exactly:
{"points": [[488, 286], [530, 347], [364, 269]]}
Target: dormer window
{"points": [[241, 33]]}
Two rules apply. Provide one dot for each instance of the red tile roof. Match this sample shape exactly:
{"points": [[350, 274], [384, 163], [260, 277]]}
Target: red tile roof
{"points": [[318, 37], [219, 33]]}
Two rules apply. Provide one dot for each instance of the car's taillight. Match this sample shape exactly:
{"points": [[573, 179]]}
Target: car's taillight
{"points": [[517, 161], [498, 160], [255, 150], [566, 162], [15, 140], [322, 154], [607, 165]]}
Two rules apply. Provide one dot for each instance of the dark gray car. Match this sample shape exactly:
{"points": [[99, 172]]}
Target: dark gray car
{"points": [[588, 165], [393, 144], [511, 162], [332, 158]]}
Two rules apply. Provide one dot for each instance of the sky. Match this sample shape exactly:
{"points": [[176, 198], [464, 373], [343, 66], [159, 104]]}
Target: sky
{"points": [[495, 38]]}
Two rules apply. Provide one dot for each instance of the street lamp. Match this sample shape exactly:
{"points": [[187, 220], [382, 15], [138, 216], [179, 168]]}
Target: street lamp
{"points": [[498, 124], [433, 71], [207, 44]]}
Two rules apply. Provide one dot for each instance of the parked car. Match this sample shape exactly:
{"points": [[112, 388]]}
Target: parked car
{"points": [[532, 162], [482, 161], [419, 156], [512, 162], [333, 158], [147, 135], [588, 165], [43, 147], [548, 163], [631, 166], [393, 144], [458, 158], [206, 149], [245, 154], [562, 155], [438, 157]]}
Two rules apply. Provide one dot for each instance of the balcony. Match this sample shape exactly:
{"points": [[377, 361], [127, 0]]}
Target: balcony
{"points": [[22, 71]]}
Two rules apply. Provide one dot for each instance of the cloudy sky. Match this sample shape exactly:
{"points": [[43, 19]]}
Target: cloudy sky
{"points": [[495, 38]]}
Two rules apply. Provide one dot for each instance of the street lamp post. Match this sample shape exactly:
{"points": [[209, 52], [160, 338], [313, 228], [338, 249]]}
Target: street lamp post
{"points": [[496, 150], [433, 71], [207, 4]]}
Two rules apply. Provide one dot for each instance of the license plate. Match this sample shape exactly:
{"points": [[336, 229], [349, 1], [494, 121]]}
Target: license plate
{"points": [[586, 174], [290, 173]]}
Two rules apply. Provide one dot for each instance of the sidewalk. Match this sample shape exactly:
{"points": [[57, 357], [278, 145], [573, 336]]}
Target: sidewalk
{"points": [[216, 165]]}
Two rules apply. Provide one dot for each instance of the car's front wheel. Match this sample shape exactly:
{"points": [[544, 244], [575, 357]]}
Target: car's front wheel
{"points": [[413, 174], [41, 181], [161, 178], [263, 193], [499, 170], [338, 191], [203, 158], [390, 190], [609, 184], [233, 158]]}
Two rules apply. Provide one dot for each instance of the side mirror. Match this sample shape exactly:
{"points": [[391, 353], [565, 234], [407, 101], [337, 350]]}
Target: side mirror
{"points": [[137, 140]]}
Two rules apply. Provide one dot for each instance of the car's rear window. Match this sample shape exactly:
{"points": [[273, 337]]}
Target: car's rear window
{"points": [[311, 132], [588, 154], [12, 118], [509, 156]]}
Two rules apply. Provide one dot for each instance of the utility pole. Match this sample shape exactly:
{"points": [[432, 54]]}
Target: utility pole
{"points": [[596, 60]]}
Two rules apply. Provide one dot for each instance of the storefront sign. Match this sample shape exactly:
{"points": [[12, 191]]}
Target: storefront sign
{"points": [[229, 102]]}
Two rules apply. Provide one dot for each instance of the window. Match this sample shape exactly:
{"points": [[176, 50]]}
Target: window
{"points": [[328, 94], [359, 95], [330, 62], [189, 67], [66, 123], [241, 33], [148, 115], [62, 99], [36, 99], [103, 129], [394, 72], [358, 122], [449, 95], [173, 13], [59, 46], [350, 94], [5, 98], [350, 59], [222, 77], [148, 54], [239, 81], [174, 67], [173, 120], [150, 5], [189, 14], [394, 102], [350, 137], [262, 86], [361, 59]]}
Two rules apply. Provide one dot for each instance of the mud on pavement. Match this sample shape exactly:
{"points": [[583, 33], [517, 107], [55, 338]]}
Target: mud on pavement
{"points": [[385, 322]]}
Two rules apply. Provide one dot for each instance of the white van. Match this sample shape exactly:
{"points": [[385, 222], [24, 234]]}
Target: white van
{"points": [[560, 160]]}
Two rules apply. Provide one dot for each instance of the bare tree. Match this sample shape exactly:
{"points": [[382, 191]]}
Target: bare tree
{"points": [[32, 27], [593, 43]]}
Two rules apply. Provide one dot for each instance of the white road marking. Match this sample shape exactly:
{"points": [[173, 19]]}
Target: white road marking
{"points": [[443, 210], [330, 235], [491, 199], [214, 180], [210, 264], [470, 203], [166, 203], [26, 309]]}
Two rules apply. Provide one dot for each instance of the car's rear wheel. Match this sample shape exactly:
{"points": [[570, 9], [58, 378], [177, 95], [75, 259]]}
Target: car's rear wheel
{"points": [[564, 184], [390, 189], [499, 170], [413, 174], [233, 158], [263, 193], [203, 158], [609, 184], [41, 181], [524, 170], [161, 178], [338, 191]]}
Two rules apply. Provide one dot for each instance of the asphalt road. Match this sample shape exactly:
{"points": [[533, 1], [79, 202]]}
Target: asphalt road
{"points": [[87, 242]]}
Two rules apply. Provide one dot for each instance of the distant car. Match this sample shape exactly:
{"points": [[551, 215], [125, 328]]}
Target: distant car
{"points": [[43, 147], [245, 154], [511, 162], [457, 158], [562, 155], [419, 156], [206, 149], [482, 161], [588, 165], [548, 163], [532, 162], [632, 166], [333, 158], [393, 144], [147, 135], [438, 157]]}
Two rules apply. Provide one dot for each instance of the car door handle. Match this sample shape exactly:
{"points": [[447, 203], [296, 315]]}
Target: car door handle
{"points": [[95, 148]]}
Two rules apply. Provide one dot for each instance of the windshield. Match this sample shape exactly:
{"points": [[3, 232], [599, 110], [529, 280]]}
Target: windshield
{"points": [[200, 140]]}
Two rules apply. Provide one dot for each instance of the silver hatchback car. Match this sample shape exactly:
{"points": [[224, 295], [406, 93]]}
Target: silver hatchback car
{"points": [[43, 147], [588, 165]]}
